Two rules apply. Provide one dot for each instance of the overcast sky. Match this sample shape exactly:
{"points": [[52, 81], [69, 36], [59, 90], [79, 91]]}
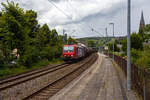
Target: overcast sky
{"points": [[77, 17]]}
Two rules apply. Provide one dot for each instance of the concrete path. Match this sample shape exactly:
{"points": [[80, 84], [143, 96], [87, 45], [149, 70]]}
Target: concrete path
{"points": [[103, 81]]}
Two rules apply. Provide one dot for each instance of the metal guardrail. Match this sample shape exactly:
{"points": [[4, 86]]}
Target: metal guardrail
{"points": [[140, 78]]}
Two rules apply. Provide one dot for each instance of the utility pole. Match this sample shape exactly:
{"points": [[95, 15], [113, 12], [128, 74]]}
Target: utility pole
{"points": [[129, 46], [113, 42], [63, 36], [106, 38], [66, 38], [106, 34], [113, 38]]}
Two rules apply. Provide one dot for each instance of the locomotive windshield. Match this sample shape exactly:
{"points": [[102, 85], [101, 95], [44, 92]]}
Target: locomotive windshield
{"points": [[69, 49]]}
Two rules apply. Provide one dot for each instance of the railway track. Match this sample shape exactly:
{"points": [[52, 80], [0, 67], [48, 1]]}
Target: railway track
{"points": [[52, 88], [18, 79], [27, 72]]}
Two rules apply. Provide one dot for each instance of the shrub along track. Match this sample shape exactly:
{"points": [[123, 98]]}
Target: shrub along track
{"points": [[21, 78], [53, 87]]}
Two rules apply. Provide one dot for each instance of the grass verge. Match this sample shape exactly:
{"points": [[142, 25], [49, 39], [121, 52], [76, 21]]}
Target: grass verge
{"points": [[7, 71]]}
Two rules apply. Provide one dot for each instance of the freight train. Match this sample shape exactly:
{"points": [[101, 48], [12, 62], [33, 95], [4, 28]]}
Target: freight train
{"points": [[75, 52]]}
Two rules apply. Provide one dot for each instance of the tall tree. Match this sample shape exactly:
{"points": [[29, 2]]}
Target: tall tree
{"points": [[136, 42], [43, 36], [15, 27], [31, 18], [54, 37], [71, 41], [147, 33]]}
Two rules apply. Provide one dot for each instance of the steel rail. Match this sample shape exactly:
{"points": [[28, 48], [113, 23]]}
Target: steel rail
{"points": [[35, 75], [91, 60]]}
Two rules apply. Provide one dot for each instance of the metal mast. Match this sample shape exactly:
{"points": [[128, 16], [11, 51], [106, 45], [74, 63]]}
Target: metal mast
{"points": [[129, 46]]}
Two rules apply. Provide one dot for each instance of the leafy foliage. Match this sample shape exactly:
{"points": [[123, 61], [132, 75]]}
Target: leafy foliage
{"points": [[110, 46], [141, 58], [136, 42], [140, 52], [91, 43], [147, 33], [71, 41], [20, 30]]}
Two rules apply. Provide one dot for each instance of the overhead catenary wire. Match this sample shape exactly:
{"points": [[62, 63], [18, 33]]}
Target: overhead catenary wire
{"points": [[70, 17], [97, 32], [94, 29], [52, 2]]}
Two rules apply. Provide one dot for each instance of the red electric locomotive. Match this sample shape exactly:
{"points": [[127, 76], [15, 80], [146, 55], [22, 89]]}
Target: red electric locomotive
{"points": [[73, 52]]}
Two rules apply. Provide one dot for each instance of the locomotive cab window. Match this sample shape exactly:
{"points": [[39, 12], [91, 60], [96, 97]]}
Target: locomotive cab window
{"points": [[69, 49]]}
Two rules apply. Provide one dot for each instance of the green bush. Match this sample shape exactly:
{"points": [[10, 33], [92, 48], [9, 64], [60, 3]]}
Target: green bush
{"points": [[58, 51], [136, 42], [31, 56], [51, 53], [1, 61], [144, 60], [135, 54], [47, 53], [124, 45], [141, 58], [5, 72], [110, 47]]}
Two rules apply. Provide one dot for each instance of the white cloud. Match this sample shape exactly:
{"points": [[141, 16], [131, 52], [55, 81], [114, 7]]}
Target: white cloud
{"points": [[77, 9], [85, 13]]}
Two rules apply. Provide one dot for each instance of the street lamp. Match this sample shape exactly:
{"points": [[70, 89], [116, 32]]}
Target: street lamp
{"points": [[113, 36]]}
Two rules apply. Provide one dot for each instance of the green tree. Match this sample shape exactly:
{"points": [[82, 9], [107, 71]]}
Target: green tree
{"points": [[71, 40], [124, 45], [20, 30], [43, 36], [32, 23], [54, 37], [147, 33], [91, 43], [136, 42], [110, 46], [147, 29], [13, 29]]}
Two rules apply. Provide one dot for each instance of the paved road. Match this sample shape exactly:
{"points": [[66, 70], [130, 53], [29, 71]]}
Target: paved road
{"points": [[103, 81]]}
